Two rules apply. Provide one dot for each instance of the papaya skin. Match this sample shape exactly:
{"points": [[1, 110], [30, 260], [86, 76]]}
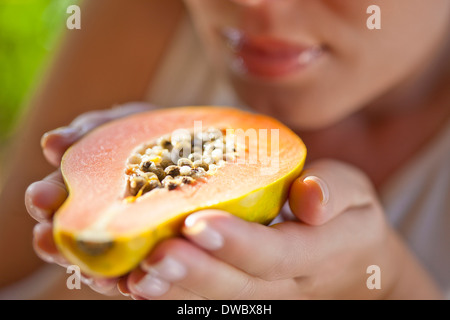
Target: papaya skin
{"points": [[124, 251]]}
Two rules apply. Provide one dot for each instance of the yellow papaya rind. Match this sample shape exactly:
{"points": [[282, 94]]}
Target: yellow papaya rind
{"points": [[261, 206]]}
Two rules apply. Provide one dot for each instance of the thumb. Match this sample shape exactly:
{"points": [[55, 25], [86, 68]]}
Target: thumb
{"points": [[54, 143], [326, 189]]}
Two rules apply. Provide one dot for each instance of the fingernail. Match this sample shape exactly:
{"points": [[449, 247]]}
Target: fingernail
{"points": [[202, 233], [65, 132], [151, 285], [168, 269], [107, 288], [87, 280], [325, 194], [123, 290], [37, 213], [106, 284]]}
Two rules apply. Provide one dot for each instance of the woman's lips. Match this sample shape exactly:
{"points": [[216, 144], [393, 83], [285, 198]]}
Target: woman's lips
{"points": [[269, 57]]}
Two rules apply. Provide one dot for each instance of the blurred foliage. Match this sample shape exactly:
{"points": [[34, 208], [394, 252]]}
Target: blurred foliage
{"points": [[29, 30]]}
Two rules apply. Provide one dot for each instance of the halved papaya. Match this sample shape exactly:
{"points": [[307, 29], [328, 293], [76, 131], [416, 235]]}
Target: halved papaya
{"points": [[131, 185]]}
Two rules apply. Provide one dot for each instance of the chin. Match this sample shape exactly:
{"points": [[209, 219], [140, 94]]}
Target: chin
{"points": [[299, 109], [300, 117], [309, 123]]}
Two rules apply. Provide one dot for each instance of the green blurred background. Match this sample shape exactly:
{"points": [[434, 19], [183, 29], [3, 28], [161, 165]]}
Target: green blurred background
{"points": [[29, 32]]}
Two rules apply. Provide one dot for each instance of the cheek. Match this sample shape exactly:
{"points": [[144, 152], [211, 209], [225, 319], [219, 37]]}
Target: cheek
{"points": [[400, 53], [411, 32], [366, 64]]}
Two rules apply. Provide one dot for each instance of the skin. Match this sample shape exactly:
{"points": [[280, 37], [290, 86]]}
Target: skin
{"points": [[347, 91], [305, 257], [355, 58], [356, 107]]}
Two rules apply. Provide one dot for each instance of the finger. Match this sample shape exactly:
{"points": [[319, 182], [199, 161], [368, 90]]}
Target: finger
{"points": [[43, 198], [326, 189], [46, 249], [256, 249], [105, 286], [44, 244], [56, 142], [147, 286], [181, 263], [282, 251], [122, 286]]}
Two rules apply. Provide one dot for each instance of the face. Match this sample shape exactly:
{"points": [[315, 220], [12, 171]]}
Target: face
{"points": [[312, 63]]}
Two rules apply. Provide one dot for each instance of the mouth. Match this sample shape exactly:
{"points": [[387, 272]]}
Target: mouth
{"points": [[267, 56]]}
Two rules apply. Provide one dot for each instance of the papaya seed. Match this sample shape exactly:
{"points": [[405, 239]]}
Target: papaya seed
{"points": [[135, 159], [165, 142], [214, 134], [197, 173], [165, 163], [172, 171], [187, 180], [201, 164], [171, 183], [184, 162], [185, 170], [150, 176], [146, 166], [150, 185], [159, 172], [153, 165], [196, 156], [217, 155], [136, 184]]}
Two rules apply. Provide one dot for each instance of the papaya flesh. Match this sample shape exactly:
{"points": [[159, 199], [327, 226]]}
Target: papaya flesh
{"points": [[107, 231]]}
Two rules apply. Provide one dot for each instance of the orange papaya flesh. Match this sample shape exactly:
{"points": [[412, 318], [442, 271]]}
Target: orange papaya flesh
{"points": [[107, 236]]}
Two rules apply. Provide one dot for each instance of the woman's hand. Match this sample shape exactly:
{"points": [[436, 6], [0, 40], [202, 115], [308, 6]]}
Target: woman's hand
{"points": [[322, 250], [338, 232], [44, 197]]}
